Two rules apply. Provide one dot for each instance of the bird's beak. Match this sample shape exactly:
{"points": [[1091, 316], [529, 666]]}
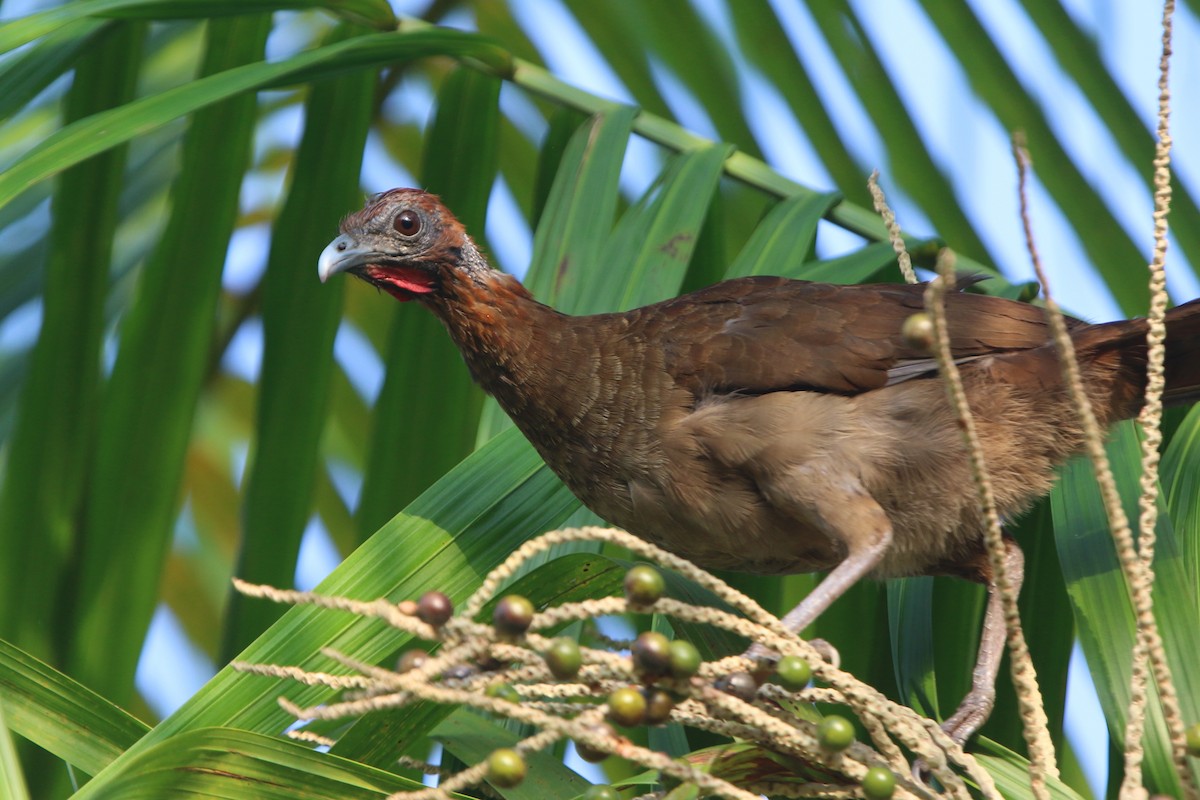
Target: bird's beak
{"points": [[341, 254]]}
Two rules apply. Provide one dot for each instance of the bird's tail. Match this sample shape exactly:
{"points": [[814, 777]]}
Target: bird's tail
{"points": [[1183, 354], [1119, 349]]}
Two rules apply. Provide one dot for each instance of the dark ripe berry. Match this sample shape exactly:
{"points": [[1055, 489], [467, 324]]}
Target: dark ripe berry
{"points": [[502, 691], [460, 672], [651, 654], [589, 753], [879, 783], [793, 673], [917, 331], [487, 663], [594, 755], [627, 707], [684, 660], [835, 733], [762, 669], [506, 768], [658, 705], [644, 585], [435, 608], [1193, 740], [512, 615], [739, 684], [411, 659], [563, 658], [601, 791]]}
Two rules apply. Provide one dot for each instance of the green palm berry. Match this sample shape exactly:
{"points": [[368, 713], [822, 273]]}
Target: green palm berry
{"points": [[879, 783], [513, 615], [651, 653], [917, 331], [835, 733], [601, 791], [502, 691], [644, 585], [793, 673], [506, 768], [627, 707], [684, 659], [563, 658], [1193, 740], [435, 608]]}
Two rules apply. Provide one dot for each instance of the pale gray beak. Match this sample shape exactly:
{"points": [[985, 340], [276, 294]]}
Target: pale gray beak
{"points": [[341, 254]]}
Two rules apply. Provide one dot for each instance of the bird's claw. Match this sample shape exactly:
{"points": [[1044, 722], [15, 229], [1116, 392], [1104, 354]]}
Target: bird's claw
{"points": [[961, 726], [827, 651], [921, 774], [972, 712]]}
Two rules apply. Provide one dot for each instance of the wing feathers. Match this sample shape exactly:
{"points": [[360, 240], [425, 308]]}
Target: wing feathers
{"points": [[762, 334]]}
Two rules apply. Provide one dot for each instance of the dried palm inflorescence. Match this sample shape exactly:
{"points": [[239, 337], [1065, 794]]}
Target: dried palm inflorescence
{"points": [[507, 667]]}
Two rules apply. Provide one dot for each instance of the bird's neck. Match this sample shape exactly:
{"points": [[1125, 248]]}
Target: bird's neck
{"points": [[514, 346]]}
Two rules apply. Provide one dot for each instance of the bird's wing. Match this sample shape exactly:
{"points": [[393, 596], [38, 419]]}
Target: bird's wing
{"points": [[762, 334]]}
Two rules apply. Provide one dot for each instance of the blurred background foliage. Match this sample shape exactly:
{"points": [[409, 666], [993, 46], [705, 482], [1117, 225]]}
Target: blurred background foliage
{"points": [[182, 401]]}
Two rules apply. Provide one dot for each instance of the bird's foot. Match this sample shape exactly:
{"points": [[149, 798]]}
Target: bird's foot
{"points": [[972, 712]]}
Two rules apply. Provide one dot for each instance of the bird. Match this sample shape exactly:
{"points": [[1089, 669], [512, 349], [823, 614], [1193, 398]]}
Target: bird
{"points": [[776, 426]]}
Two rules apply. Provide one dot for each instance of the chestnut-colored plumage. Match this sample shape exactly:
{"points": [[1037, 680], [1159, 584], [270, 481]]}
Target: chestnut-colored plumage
{"points": [[770, 425]]}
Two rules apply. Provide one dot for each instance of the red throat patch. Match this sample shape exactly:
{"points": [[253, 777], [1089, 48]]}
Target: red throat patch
{"points": [[403, 283]]}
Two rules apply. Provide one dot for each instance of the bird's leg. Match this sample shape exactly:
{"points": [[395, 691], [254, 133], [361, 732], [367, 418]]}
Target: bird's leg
{"points": [[844, 575], [846, 512], [975, 708]]}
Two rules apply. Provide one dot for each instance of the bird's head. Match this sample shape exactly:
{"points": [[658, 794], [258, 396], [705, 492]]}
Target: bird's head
{"points": [[405, 242]]}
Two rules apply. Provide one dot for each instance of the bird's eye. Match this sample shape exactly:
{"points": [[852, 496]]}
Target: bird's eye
{"points": [[407, 223]]}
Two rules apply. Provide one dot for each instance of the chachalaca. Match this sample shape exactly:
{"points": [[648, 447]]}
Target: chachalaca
{"points": [[769, 425]]}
